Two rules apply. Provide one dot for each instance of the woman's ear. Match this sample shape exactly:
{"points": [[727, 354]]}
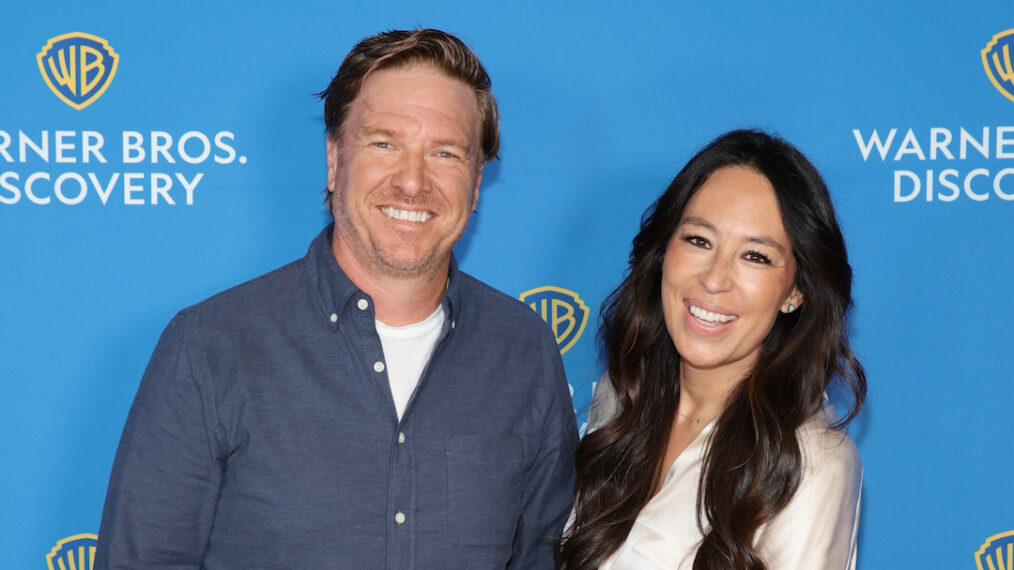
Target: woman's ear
{"points": [[793, 302]]}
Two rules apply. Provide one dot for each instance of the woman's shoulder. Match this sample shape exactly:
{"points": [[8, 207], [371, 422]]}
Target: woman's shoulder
{"points": [[818, 528], [826, 448]]}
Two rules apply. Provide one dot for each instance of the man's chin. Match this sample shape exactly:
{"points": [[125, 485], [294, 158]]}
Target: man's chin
{"points": [[407, 266]]}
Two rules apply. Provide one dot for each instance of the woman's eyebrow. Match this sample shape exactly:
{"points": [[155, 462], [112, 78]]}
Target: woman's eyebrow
{"points": [[761, 239]]}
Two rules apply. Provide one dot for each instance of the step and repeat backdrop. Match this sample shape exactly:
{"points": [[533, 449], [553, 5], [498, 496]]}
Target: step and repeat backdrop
{"points": [[153, 154]]}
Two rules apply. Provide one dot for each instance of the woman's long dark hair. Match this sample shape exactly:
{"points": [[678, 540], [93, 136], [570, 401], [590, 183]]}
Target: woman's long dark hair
{"points": [[753, 466]]}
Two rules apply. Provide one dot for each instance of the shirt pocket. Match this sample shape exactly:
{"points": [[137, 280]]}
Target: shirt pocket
{"points": [[484, 489]]}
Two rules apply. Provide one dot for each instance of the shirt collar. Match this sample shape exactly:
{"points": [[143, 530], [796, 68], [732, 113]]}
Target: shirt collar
{"points": [[333, 289]]}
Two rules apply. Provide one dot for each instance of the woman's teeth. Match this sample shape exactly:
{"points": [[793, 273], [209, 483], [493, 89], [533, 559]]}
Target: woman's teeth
{"points": [[710, 317]]}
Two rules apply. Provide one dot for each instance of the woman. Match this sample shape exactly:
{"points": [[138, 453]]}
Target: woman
{"points": [[713, 445]]}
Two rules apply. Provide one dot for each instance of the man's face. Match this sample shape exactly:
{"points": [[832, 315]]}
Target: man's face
{"points": [[405, 172]]}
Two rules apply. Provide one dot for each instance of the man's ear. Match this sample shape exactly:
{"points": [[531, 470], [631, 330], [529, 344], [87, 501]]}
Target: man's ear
{"points": [[475, 191], [332, 162]]}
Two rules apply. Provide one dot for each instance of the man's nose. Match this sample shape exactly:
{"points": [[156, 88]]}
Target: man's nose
{"points": [[411, 177]]}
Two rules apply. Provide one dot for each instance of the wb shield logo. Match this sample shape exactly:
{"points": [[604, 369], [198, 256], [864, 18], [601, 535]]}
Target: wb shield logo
{"points": [[73, 553], [78, 67], [997, 553], [563, 310], [997, 59]]}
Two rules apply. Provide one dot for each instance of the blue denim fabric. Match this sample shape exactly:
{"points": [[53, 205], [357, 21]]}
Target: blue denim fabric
{"points": [[264, 435]]}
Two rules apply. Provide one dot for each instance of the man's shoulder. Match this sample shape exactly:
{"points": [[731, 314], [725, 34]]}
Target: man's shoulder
{"points": [[492, 304], [255, 296]]}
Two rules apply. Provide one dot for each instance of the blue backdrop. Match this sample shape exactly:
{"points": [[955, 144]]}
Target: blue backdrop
{"points": [[201, 165]]}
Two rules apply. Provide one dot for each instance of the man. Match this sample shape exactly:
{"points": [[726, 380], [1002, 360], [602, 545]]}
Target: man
{"points": [[369, 405]]}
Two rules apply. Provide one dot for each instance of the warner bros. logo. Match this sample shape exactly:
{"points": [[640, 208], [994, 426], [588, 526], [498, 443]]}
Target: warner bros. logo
{"points": [[997, 59], [78, 67], [562, 309], [997, 553], [73, 553]]}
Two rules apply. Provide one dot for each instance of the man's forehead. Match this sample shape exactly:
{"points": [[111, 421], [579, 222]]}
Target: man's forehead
{"points": [[421, 80], [406, 98]]}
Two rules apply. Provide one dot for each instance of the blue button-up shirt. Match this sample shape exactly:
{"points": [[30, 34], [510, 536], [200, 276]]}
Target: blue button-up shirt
{"points": [[264, 435]]}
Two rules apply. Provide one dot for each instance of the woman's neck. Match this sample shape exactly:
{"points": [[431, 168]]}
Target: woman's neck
{"points": [[703, 392]]}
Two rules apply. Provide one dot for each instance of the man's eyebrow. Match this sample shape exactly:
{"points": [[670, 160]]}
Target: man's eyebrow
{"points": [[762, 239], [370, 131], [456, 143]]}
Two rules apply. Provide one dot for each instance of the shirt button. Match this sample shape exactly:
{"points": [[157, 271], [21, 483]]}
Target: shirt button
{"points": [[401, 437], [378, 366], [334, 317], [362, 304], [452, 324], [399, 518]]}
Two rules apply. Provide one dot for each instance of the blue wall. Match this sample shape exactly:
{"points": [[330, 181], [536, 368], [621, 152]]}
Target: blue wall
{"points": [[601, 105]]}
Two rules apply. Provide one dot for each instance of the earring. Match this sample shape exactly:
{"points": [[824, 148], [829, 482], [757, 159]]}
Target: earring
{"points": [[791, 308]]}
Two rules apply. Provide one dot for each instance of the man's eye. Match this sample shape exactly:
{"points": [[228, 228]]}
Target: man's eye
{"points": [[757, 257], [446, 154], [382, 144]]}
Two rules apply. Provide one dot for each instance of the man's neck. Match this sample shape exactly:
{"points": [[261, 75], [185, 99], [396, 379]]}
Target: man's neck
{"points": [[397, 299]]}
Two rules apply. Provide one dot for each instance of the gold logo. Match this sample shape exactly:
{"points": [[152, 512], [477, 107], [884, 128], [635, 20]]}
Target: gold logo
{"points": [[73, 553], [562, 310], [78, 67], [996, 58], [997, 553]]}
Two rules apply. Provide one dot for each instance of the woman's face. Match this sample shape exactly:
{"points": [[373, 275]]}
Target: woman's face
{"points": [[728, 271]]}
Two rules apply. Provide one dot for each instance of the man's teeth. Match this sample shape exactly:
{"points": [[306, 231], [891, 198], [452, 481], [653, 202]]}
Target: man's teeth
{"points": [[406, 215], [709, 316]]}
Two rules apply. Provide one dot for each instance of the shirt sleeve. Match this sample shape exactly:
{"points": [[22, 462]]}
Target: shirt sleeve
{"points": [[165, 480], [549, 482], [818, 528], [603, 406]]}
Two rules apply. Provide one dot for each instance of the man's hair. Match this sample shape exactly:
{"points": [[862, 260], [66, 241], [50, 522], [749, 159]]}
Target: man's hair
{"points": [[402, 48]]}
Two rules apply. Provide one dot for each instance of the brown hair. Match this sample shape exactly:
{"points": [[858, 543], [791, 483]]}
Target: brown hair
{"points": [[400, 48], [753, 471]]}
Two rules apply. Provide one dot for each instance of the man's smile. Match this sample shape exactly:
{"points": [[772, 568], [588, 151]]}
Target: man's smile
{"points": [[406, 215]]}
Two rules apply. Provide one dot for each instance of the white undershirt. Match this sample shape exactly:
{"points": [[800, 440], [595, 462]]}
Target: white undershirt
{"points": [[407, 349]]}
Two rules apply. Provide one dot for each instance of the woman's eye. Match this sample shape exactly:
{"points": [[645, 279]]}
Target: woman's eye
{"points": [[697, 241], [757, 257]]}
